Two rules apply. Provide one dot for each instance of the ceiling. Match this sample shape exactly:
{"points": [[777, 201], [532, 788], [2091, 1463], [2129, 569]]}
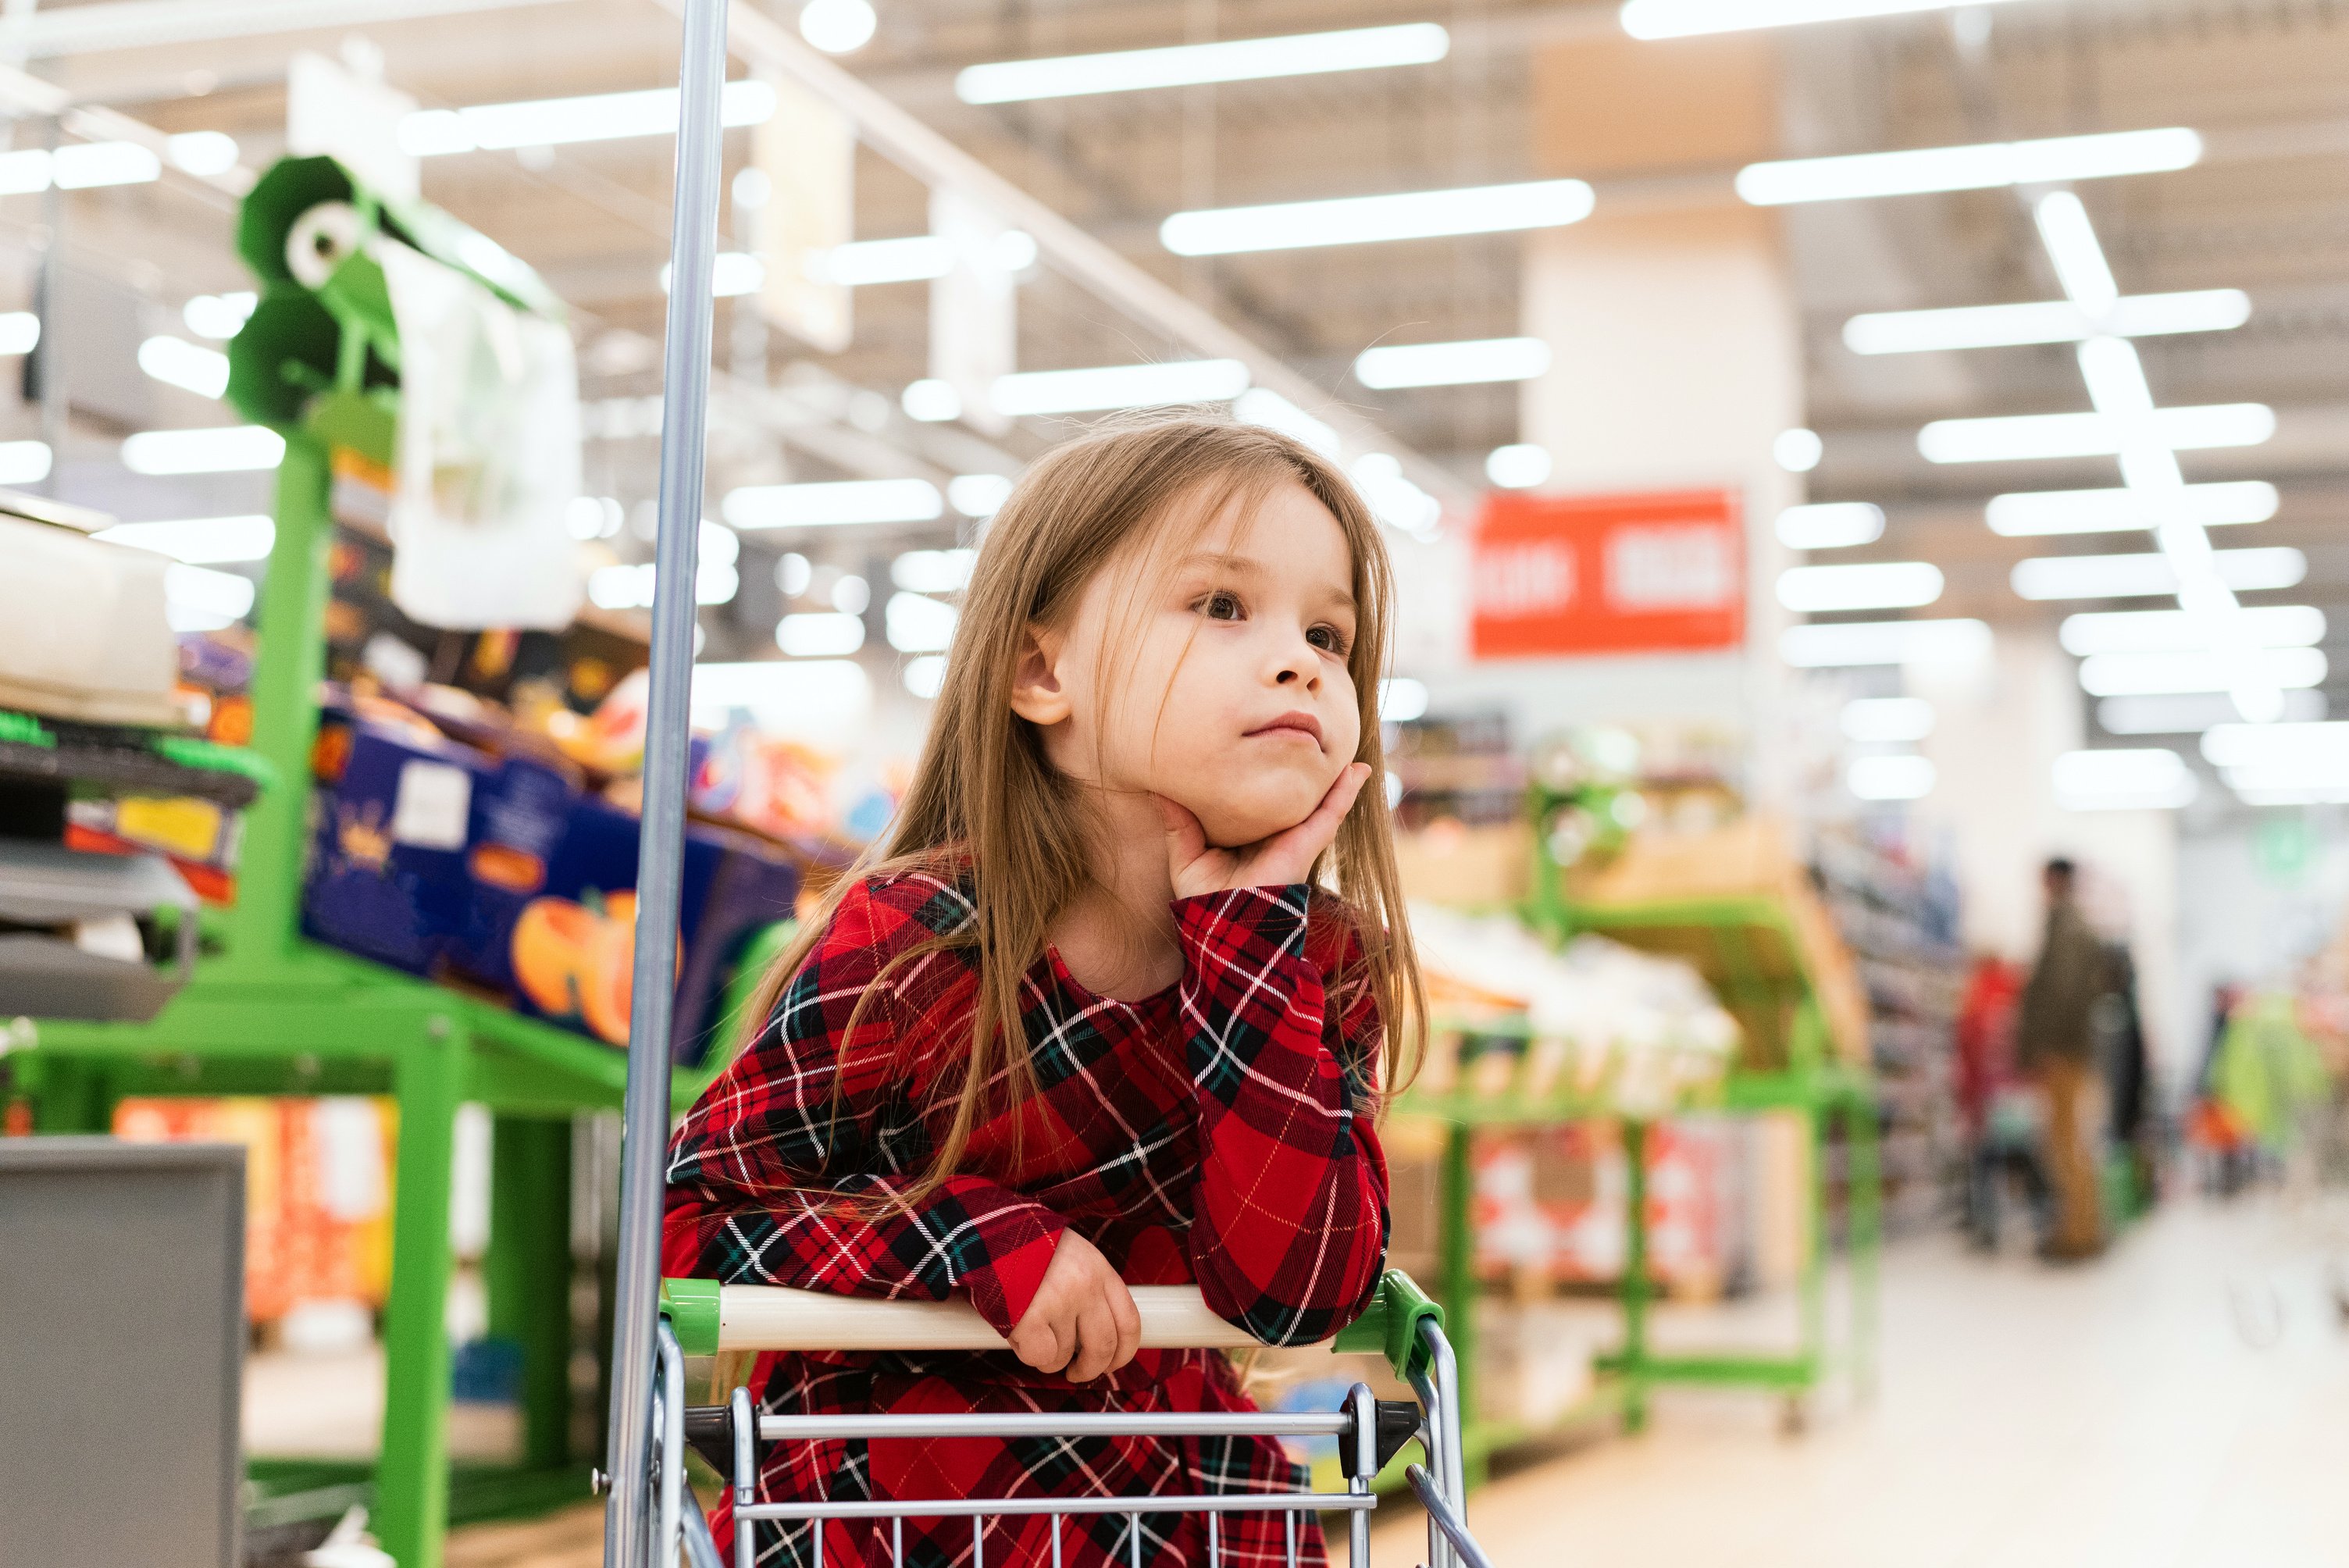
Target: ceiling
{"points": [[2266, 81]]}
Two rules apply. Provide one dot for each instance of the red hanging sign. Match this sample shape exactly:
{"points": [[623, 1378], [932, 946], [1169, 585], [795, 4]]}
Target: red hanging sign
{"points": [[1663, 573]]}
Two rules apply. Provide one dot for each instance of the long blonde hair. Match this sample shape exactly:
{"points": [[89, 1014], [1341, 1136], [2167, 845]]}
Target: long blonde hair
{"points": [[983, 790]]}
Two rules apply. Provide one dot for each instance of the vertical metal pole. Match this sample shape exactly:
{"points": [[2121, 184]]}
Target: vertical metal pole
{"points": [[685, 400]]}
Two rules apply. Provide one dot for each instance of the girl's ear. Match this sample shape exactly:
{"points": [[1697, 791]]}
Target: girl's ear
{"points": [[1037, 693]]}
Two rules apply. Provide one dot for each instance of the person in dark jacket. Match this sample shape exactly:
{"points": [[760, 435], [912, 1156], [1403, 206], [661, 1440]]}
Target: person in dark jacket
{"points": [[2055, 1043]]}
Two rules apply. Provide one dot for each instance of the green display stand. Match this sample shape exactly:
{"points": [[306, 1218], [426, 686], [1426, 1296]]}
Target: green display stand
{"points": [[274, 1014], [1749, 952]]}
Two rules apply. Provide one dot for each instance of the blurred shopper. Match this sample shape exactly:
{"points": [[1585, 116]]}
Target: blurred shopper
{"points": [[2128, 1087], [2001, 1112], [2055, 1042]]}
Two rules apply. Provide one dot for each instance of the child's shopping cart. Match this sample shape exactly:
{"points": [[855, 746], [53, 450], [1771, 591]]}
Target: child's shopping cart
{"points": [[704, 1318]]}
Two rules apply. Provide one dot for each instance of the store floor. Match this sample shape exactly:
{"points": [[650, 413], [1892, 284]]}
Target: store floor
{"points": [[2183, 1403]]}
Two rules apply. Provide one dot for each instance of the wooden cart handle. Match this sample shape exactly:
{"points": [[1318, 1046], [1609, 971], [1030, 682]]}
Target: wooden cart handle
{"points": [[774, 1317]]}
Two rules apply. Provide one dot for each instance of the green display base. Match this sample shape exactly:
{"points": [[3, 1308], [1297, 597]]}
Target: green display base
{"points": [[315, 1021]]}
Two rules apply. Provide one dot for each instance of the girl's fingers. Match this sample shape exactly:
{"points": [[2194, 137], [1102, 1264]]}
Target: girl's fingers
{"points": [[1129, 1324], [1038, 1341], [1292, 853], [1096, 1341]]}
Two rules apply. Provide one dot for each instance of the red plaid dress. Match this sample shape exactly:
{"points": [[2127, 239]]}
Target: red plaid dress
{"points": [[1209, 1133]]}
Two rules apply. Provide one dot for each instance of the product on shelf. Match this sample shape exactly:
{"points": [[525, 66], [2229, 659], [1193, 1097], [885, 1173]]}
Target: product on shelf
{"points": [[317, 1190], [500, 874], [1598, 1022]]}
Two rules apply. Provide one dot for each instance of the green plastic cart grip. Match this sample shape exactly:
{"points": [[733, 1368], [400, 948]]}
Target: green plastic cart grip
{"points": [[1391, 1326], [691, 1307]]}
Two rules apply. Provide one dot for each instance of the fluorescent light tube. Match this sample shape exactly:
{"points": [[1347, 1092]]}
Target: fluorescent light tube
{"points": [[1263, 406], [2147, 779], [910, 259], [2277, 745], [977, 495], [1401, 699], [2138, 674], [796, 696], [2151, 575], [2077, 254], [1194, 64], [235, 449], [1830, 525], [933, 571], [20, 330], [2045, 321], [731, 273], [1878, 720], [1119, 386], [2190, 714], [202, 153], [1853, 644], [554, 123], [219, 316], [1686, 19], [926, 677], [83, 165], [176, 362], [833, 504], [1521, 465], [198, 599], [917, 625], [838, 26], [1364, 220], [1459, 364], [23, 172], [1391, 496], [822, 634], [23, 462], [631, 587], [2030, 513], [1980, 167], [931, 401], [2024, 437], [2178, 631], [199, 541], [1897, 776], [1861, 585]]}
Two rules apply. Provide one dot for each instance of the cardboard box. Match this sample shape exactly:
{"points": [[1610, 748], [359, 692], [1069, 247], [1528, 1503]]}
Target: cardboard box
{"points": [[1447, 863], [442, 860]]}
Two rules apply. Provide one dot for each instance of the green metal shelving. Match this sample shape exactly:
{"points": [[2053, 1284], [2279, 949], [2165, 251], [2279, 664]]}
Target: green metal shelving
{"points": [[275, 1014], [1748, 949]]}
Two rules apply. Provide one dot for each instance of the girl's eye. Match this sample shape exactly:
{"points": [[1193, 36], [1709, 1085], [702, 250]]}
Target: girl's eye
{"points": [[1329, 639], [1220, 605]]}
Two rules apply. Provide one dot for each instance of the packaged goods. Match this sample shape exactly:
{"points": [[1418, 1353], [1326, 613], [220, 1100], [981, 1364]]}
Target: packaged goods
{"points": [[1598, 1022], [443, 861]]}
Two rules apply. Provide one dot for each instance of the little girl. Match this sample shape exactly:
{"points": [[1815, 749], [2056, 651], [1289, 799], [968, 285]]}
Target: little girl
{"points": [[1111, 1009]]}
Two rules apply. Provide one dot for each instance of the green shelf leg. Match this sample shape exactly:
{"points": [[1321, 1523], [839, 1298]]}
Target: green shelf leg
{"points": [[1458, 1265], [411, 1511], [529, 1274], [1866, 1238], [1634, 1359], [1814, 1286], [292, 641], [70, 1097]]}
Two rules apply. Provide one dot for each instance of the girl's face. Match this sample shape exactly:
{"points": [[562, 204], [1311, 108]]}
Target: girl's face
{"points": [[1210, 669]]}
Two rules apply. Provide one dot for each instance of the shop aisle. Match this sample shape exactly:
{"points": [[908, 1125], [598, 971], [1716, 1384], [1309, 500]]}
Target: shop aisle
{"points": [[2116, 1413]]}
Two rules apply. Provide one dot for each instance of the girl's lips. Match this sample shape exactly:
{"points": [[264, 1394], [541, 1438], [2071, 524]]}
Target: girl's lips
{"points": [[1300, 724]]}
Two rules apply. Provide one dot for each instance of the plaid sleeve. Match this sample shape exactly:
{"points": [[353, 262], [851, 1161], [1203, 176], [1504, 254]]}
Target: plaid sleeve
{"points": [[1289, 1212], [787, 1169]]}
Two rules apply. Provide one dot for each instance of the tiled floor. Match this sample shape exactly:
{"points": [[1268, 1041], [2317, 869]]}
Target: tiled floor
{"points": [[2182, 1404]]}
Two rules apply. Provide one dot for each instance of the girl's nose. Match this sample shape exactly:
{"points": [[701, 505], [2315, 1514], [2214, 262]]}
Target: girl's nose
{"points": [[1298, 668]]}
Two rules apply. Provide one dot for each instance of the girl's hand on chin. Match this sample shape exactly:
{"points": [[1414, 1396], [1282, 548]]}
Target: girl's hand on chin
{"points": [[1287, 856]]}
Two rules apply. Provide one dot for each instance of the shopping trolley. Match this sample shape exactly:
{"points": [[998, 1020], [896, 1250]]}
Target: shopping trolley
{"points": [[701, 1317], [651, 1516]]}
